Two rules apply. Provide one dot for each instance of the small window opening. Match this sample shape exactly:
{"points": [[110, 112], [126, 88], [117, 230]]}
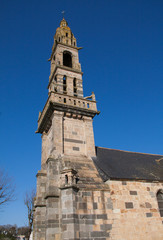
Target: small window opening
{"points": [[83, 104], [160, 202], [64, 100], [64, 80], [54, 57], [74, 86], [64, 84], [55, 79], [87, 105], [66, 34], [74, 44], [59, 39], [76, 180], [67, 59], [74, 82], [74, 102], [66, 179]]}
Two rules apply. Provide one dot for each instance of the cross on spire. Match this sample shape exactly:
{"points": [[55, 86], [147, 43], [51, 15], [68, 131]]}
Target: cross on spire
{"points": [[63, 12]]}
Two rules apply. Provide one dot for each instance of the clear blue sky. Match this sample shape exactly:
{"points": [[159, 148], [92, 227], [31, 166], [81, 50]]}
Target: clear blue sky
{"points": [[122, 61]]}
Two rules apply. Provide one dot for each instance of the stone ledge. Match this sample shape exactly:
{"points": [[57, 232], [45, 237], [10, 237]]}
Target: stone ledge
{"points": [[39, 205], [69, 186], [40, 173], [51, 159], [51, 196]]}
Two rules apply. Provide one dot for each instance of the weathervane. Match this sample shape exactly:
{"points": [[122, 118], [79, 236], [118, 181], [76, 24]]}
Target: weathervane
{"points": [[63, 12]]}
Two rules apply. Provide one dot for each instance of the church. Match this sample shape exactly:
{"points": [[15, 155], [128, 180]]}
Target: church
{"points": [[83, 191]]}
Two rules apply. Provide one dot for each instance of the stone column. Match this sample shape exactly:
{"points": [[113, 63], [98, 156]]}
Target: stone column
{"points": [[70, 86], [79, 88], [60, 83]]}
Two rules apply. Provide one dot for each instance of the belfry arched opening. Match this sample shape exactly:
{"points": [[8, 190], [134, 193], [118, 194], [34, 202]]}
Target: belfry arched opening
{"points": [[67, 59]]}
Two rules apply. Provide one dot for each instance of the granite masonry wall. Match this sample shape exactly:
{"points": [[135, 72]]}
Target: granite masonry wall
{"points": [[135, 210], [128, 211]]}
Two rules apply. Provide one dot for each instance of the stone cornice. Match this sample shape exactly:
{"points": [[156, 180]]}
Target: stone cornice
{"points": [[41, 174]]}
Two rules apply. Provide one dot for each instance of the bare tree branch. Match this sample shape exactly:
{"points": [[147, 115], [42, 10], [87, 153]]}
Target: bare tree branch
{"points": [[7, 188], [29, 203]]}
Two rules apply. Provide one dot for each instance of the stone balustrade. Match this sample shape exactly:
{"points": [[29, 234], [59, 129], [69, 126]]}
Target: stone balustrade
{"points": [[80, 103], [73, 101]]}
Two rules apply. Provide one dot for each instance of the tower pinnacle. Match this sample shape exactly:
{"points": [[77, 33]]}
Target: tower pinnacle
{"points": [[64, 34], [63, 23]]}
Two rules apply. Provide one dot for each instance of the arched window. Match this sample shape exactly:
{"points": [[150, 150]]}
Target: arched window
{"points": [[55, 87], [67, 59], [74, 86], [64, 84], [160, 201], [59, 39]]}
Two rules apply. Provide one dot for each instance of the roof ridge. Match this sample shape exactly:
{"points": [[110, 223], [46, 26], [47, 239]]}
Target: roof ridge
{"points": [[130, 151]]}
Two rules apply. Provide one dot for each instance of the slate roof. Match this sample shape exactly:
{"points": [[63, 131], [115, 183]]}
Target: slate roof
{"points": [[117, 164]]}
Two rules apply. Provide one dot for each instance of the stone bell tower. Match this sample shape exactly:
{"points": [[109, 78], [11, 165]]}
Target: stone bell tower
{"points": [[66, 120], [67, 143]]}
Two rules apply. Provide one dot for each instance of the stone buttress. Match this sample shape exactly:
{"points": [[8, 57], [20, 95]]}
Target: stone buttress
{"points": [[70, 192]]}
